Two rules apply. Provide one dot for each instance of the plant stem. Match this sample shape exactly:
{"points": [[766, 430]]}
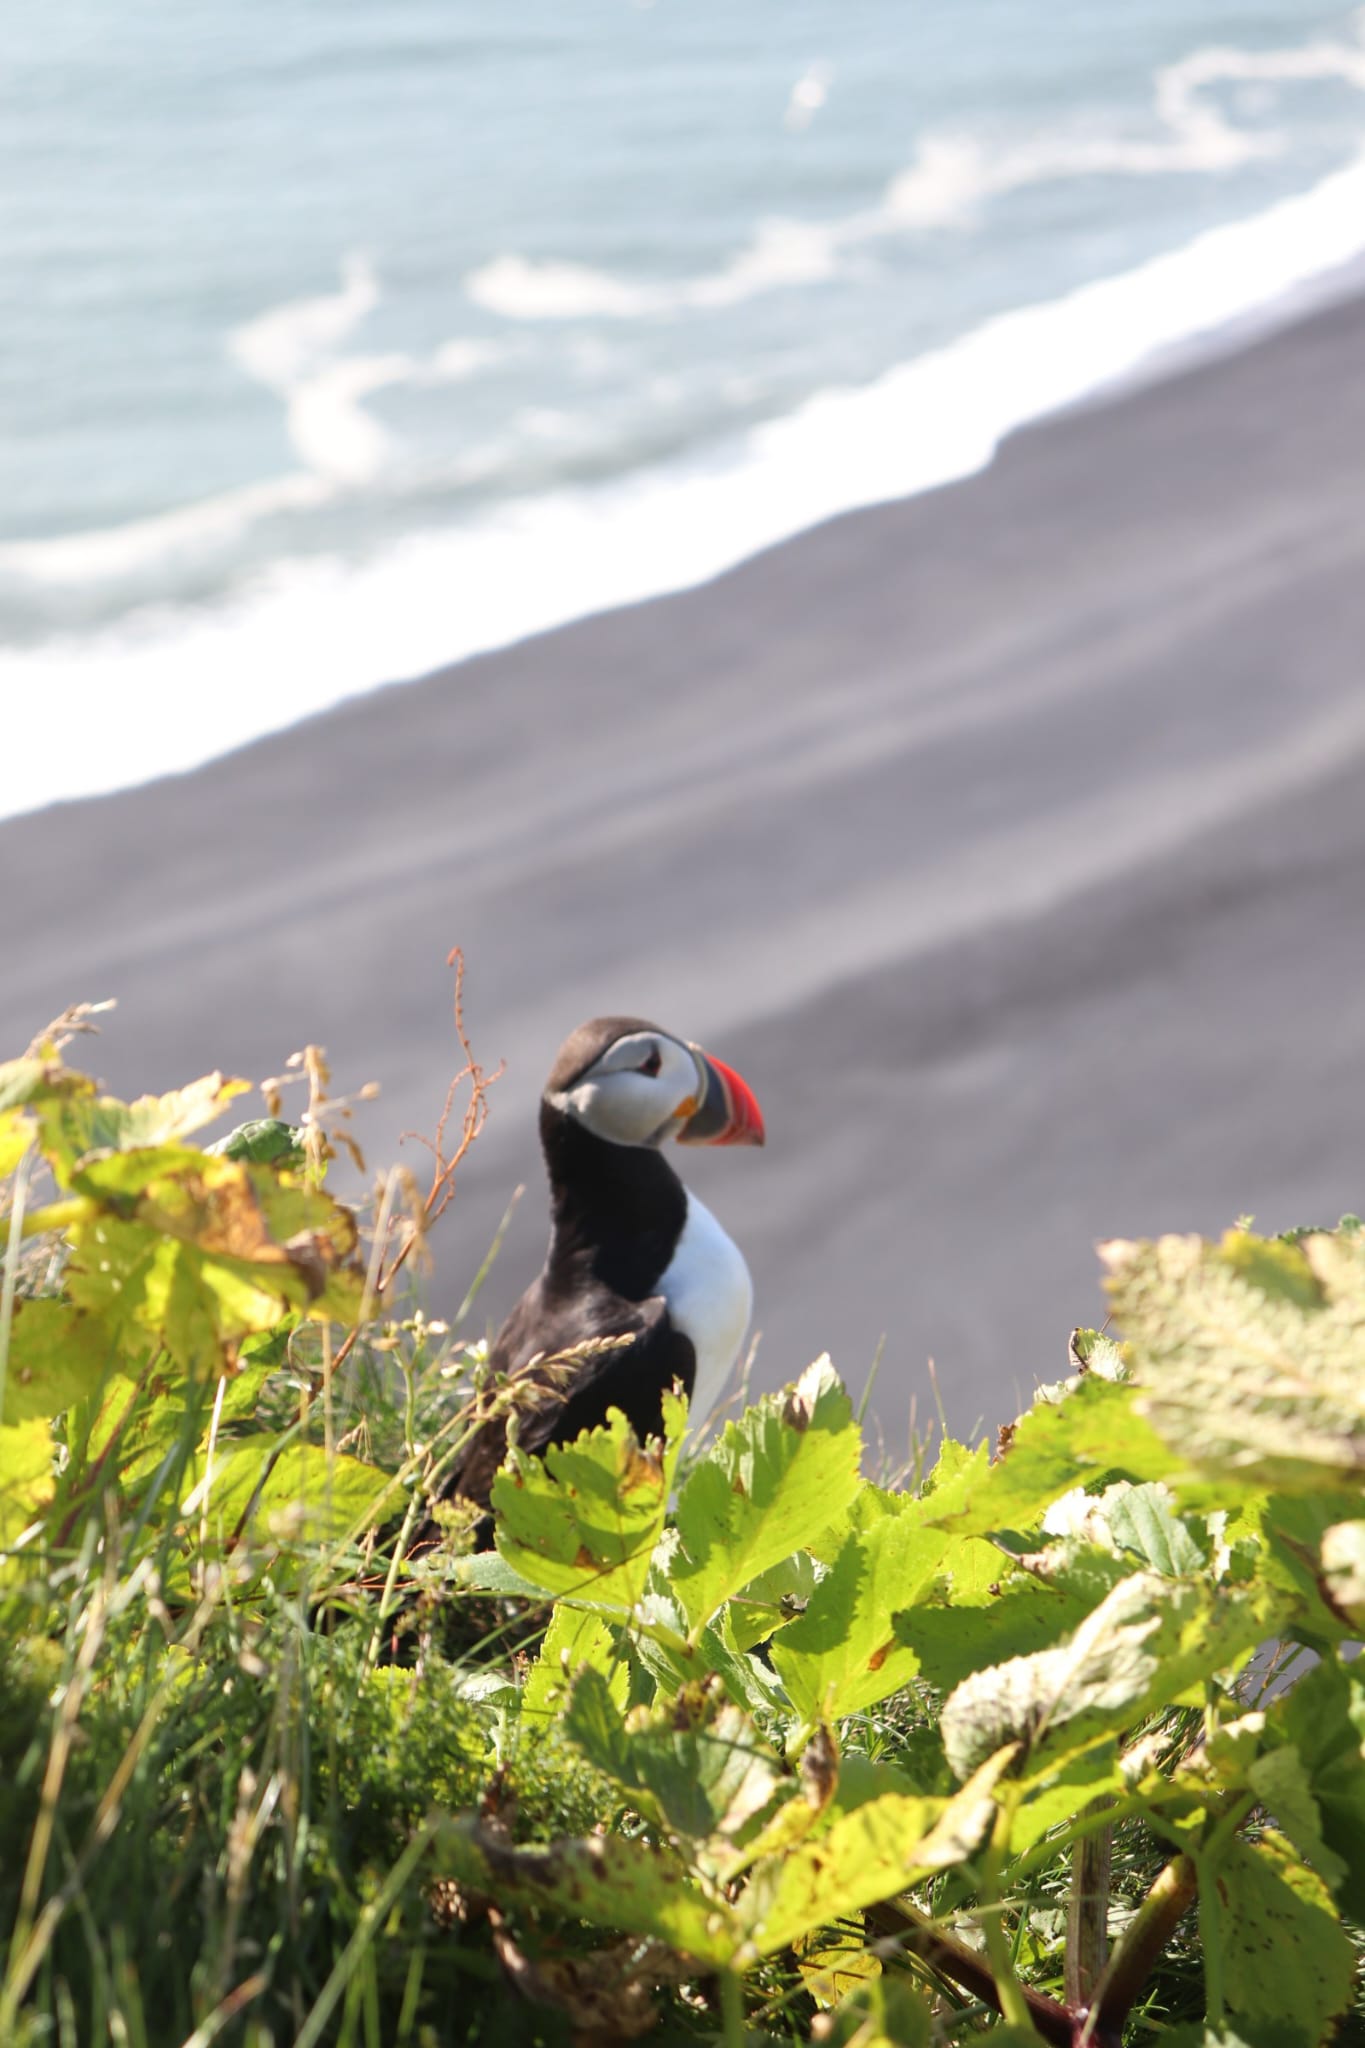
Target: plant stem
{"points": [[967, 1967], [732, 2008], [1165, 1906], [1087, 1916]]}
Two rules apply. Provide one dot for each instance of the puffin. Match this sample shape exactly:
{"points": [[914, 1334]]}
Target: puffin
{"points": [[634, 1255]]}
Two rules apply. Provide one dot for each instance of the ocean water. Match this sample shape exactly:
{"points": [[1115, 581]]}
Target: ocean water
{"points": [[344, 340]]}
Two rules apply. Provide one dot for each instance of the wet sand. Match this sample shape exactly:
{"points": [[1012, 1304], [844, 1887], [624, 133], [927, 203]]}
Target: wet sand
{"points": [[1010, 840]]}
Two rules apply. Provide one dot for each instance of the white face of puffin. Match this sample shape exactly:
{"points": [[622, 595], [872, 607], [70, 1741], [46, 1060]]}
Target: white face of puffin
{"points": [[647, 1087]]}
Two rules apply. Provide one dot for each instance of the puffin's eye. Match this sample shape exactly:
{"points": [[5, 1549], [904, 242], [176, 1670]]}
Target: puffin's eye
{"points": [[651, 1063]]}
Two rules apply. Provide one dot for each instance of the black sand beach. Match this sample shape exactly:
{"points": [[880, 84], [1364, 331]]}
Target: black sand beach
{"points": [[1010, 841]]}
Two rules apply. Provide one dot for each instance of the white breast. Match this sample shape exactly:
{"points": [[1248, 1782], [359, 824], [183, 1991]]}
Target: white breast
{"points": [[710, 1299]]}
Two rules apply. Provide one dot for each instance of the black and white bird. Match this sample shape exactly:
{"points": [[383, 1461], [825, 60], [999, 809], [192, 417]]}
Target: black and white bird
{"points": [[633, 1254]]}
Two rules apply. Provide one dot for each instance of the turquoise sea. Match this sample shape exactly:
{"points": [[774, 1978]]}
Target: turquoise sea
{"points": [[341, 339]]}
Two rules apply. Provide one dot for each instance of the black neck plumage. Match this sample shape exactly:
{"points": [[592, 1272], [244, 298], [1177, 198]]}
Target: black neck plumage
{"points": [[617, 1211]]}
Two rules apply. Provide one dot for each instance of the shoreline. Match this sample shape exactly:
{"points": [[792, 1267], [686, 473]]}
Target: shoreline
{"points": [[1007, 838], [312, 635]]}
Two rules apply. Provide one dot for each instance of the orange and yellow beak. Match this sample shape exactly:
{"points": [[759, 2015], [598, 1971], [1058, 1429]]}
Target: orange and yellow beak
{"points": [[727, 1112]]}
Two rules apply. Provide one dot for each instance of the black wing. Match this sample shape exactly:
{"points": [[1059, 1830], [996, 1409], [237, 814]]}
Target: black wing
{"points": [[568, 1394]]}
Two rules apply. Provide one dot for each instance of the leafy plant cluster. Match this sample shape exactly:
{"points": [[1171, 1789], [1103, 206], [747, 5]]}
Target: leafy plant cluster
{"points": [[1064, 1744]]}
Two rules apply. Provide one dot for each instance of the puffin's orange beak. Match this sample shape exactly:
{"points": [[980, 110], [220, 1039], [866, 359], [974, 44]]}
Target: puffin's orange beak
{"points": [[728, 1113]]}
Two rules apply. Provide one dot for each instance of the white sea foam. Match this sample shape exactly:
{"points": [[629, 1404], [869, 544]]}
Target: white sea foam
{"points": [[111, 553], [952, 177], [172, 690], [281, 346], [294, 351]]}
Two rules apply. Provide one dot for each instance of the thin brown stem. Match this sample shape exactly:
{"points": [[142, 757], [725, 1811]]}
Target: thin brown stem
{"points": [[1087, 1916], [1165, 1906], [968, 1968]]}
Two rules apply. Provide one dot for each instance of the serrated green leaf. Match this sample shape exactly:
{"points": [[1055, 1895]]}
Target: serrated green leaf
{"points": [[606, 1880], [697, 1781], [584, 1520], [1093, 1351], [1284, 1954], [843, 1654], [1281, 1783], [576, 1641], [773, 1600], [952, 1637], [1094, 1434], [867, 1855], [1290, 1528], [39, 1078], [1324, 1717], [1142, 1521], [1145, 1644], [58, 1354], [75, 1122], [775, 1480], [198, 1253], [1248, 1353]]}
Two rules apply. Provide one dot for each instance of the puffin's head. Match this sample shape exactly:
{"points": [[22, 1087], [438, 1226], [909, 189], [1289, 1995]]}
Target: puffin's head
{"points": [[629, 1082]]}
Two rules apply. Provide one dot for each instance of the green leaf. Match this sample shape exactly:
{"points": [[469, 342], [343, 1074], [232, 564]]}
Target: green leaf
{"points": [[1092, 1435], [1141, 1520], [1324, 1717], [16, 1135], [1092, 1351], [1056, 1797], [39, 1078], [26, 1478], [585, 1519], [75, 1122], [1284, 1954], [949, 1639], [1145, 1644], [290, 1495], [484, 1571], [867, 1855], [773, 1600], [266, 1141], [576, 1641], [605, 1880], [1248, 1353], [1280, 1781], [199, 1252], [844, 1653], [58, 1354], [774, 1482], [1290, 1528], [696, 1780], [1248, 2033], [884, 2013]]}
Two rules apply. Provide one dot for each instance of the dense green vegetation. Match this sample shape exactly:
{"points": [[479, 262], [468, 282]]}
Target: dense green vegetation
{"points": [[721, 1742]]}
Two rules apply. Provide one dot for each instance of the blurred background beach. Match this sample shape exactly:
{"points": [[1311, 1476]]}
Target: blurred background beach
{"points": [[1008, 838]]}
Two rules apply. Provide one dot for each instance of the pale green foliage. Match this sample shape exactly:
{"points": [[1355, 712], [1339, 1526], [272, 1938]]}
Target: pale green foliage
{"points": [[775, 1482], [585, 1520], [1248, 1353], [1284, 1954], [733, 1733]]}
